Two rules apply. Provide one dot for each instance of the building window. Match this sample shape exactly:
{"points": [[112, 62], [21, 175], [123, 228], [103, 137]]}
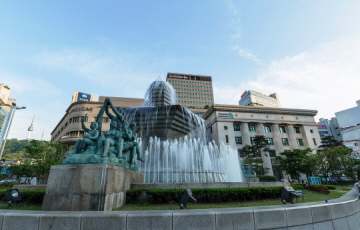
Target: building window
{"points": [[311, 131], [238, 140], [300, 142], [282, 129], [272, 153], [252, 128], [225, 127], [267, 129], [252, 140], [270, 141], [285, 141], [314, 141], [227, 138], [236, 127], [297, 129]]}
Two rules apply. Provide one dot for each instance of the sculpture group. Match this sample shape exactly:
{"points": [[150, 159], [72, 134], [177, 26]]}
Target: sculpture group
{"points": [[116, 146]]}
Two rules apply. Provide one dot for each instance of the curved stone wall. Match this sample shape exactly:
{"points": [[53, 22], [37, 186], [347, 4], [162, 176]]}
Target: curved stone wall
{"points": [[342, 213]]}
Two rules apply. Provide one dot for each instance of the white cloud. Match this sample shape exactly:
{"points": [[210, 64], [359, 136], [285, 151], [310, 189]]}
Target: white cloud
{"points": [[245, 53], [325, 78], [25, 84], [235, 24], [107, 70]]}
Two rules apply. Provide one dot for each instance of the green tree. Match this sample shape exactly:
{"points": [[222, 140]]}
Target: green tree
{"points": [[334, 160], [295, 162], [252, 154], [15, 149], [329, 142], [207, 107], [44, 154], [22, 170]]}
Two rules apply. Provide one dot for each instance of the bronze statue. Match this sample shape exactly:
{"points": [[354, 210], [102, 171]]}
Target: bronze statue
{"points": [[117, 146], [89, 139]]}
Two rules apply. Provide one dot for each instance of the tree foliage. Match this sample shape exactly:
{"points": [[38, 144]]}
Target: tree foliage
{"points": [[252, 153], [329, 142], [15, 149], [295, 162], [334, 160], [44, 154]]}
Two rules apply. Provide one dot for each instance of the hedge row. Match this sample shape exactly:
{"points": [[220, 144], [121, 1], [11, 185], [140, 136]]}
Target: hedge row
{"points": [[7, 184], [208, 195], [330, 187], [263, 178], [318, 188], [30, 196], [345, 182]]}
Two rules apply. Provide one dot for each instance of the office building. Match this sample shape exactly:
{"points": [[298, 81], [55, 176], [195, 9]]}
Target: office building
{"points": [[329, 128], [349, 121], [5, 111], [194, 92], [253, 98], [285, 129]]}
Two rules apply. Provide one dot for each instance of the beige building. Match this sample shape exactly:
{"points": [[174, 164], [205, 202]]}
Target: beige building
{"points": [[285, 129], [69, 128], [192, 91], [253, 98]]}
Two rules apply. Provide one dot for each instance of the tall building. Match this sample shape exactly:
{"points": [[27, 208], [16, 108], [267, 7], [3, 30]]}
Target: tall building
{"points": [[329, 128], [285, 129], [5, 111], [192, 91], [349, 121], [253, 98]]}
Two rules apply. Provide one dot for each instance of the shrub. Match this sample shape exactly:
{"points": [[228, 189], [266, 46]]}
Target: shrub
{"points": [[7, 184], [263, 178], [318, 188], [330, 187], [345, 182], [298, 186], [207, 195], [30, 196]]}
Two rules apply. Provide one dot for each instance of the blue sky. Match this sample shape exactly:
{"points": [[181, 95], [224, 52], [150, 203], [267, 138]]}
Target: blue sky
{"points": [[306, 51]]}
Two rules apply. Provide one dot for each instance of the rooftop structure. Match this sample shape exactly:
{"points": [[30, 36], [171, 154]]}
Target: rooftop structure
{"points": [[253, 98]]}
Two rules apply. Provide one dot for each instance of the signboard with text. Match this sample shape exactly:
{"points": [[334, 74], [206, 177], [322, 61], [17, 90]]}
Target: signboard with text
{"points": [[83, 97]]}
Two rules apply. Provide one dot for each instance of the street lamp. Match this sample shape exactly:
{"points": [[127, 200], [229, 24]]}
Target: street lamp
{"points": [[9, 122]]}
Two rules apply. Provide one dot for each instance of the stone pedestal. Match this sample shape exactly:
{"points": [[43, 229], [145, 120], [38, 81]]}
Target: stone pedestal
{"points": [[88, 187]]}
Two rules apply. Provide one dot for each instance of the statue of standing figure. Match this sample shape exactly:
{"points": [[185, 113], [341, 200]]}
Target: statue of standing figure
{"points": [[116, 146]]}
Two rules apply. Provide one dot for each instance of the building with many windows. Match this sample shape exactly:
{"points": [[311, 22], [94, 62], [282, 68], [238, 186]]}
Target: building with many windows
{"points": [[253, 98], [69, 128], [285, 129], [192, 91], [5, 111], [329, 128], [349, 121]]}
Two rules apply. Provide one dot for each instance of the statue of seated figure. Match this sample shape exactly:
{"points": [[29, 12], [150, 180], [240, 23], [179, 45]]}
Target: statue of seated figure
{"points": [[130, 143], [111, 138], [89, 139]]}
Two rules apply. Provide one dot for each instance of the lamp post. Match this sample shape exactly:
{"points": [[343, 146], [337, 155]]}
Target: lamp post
{"points": [[9, 121]]}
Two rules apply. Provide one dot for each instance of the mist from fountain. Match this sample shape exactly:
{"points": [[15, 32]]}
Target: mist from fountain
{"points": [[174, 142]]}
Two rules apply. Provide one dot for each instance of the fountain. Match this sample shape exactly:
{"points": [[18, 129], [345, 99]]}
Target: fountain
{"points": [[174, 142]]}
